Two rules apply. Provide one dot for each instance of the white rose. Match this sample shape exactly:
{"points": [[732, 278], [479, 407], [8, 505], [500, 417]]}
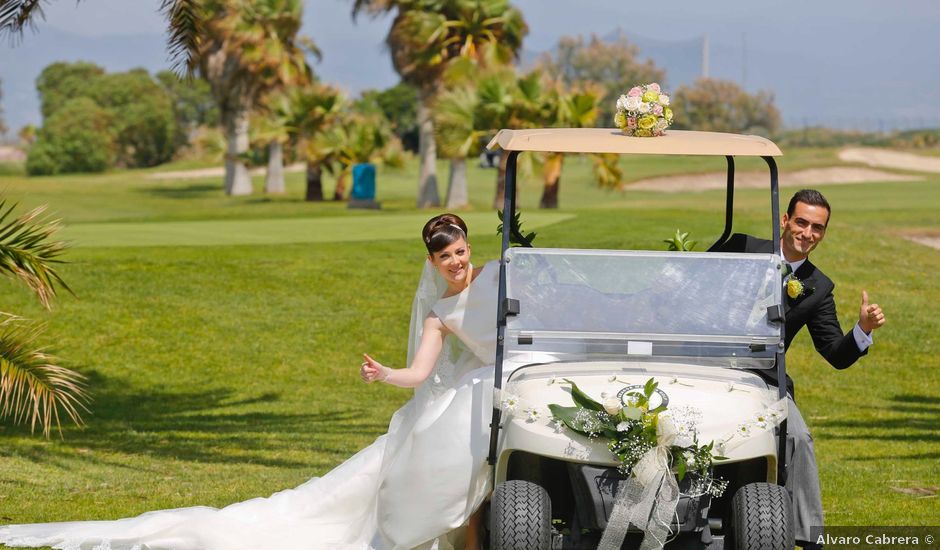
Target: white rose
{"points": [[633, 103], [661, 124], [663, 99], [622, 103], [644, 107], [612, 406]]}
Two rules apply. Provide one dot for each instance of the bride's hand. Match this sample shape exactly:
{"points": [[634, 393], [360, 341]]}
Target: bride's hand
{"points": [[372, 370]]}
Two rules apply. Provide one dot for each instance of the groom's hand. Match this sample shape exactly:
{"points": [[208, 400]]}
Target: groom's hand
{"points": [[870, 316]]}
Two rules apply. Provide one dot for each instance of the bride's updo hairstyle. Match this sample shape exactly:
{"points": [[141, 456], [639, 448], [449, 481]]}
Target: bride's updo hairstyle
{"points": [[442, 231]]}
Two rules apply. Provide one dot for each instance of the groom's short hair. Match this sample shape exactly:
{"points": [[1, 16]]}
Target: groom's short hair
{"points": [[811, 197]]}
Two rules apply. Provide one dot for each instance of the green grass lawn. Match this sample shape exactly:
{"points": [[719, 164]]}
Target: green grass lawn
{"points": [[222, 336]]}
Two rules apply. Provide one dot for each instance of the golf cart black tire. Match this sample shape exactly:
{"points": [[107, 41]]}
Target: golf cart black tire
{"points": [[520, 517], [762, 518]]}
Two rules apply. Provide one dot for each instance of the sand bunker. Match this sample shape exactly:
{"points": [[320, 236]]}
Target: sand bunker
{"points": [[931, 239], [886, 158], [800, 178], [215, 172]]}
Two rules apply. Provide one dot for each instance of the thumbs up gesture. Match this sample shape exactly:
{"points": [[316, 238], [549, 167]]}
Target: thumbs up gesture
{"points": [[870, 316]]}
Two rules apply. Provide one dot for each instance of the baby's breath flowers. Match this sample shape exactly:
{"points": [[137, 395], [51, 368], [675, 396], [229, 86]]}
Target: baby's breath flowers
{"points": [[643, 111]]}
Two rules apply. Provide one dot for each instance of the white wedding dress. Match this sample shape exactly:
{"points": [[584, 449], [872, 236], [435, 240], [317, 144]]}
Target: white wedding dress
{"points": [[414, 487]]}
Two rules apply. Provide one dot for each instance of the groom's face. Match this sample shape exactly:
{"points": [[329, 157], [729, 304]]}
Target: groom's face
{"points": [[803, 231]]}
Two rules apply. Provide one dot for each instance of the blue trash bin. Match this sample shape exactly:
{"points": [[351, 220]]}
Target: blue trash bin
{"points": [[363, 187]]}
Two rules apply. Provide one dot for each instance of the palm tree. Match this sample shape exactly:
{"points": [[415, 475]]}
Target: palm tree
{"points": [[314, 109], [567, 109], [358, 137], [459, 131], [508, 100], [248, 49], [275, 122], [428, 36], [33, 388]]}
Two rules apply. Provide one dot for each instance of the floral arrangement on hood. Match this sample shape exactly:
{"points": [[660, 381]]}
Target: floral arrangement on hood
{"points": [[643, 111]]}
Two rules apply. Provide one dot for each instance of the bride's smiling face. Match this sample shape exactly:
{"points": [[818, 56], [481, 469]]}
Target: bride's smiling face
{"points": [[453, 262]]}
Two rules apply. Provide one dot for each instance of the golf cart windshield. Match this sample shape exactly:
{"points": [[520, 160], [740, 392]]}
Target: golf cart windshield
{"points": [[589, 304]]}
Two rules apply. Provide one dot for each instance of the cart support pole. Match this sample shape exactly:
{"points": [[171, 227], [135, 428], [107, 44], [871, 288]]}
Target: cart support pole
{"points": [[509, 210], [729, 206], [781, 355]]}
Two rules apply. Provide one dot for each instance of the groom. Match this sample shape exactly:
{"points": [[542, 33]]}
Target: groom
{"points": [[809, 302]]}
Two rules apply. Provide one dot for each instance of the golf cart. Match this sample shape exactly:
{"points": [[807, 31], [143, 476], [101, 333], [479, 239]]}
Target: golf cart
{"points": [[689, 328]]}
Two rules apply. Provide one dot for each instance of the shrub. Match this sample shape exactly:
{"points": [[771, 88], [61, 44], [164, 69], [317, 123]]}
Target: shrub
{"points": [[76, 138], [143, 120]]}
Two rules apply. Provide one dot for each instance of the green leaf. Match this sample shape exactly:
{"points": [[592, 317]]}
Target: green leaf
{"points": [[568, 416], [582, 399], [681, 466], [631, 413], [650, 387]]}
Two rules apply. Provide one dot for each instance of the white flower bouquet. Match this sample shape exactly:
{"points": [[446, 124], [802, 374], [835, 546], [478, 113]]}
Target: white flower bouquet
{"points": [[643, 111]]}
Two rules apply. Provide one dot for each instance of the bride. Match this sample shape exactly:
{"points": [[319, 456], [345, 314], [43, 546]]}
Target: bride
{"points": [[416, 486]]}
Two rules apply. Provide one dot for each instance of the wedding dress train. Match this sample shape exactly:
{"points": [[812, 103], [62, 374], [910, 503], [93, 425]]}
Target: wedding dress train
{"points": [[414, 487]]}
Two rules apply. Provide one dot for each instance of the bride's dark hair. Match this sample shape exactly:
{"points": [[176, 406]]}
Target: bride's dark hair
{"points": [[442, 231]]}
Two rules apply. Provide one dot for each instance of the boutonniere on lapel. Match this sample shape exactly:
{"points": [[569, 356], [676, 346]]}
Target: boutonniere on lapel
{"points": [[797, 289]]}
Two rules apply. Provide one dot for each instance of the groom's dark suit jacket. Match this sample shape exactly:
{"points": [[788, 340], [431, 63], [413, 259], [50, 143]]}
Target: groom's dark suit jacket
{"points": [[816, 311]]}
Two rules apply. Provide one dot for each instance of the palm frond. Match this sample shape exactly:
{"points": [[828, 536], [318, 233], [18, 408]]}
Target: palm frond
{"points": [[28, 254], [33, 388], [186, 21], [16, 15]]}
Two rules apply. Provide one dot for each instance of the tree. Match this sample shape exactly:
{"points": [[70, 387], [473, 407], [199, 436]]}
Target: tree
{"points": [[60, 82], [459, 131], [143, 121], [34, 389], [76, 138], [568, 109], [311, 110], [398, 105], [723, 106], [193, 105], [615, 65], [248, 49], [508, 100], [426, 37], [357, 133]]}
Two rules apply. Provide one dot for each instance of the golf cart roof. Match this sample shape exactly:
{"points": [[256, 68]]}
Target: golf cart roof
{"points": [[611, 140]]}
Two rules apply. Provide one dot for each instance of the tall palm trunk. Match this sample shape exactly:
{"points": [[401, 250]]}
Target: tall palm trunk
{"points": [[314, 182], [274, 182], [501, 181], [551, 176], [340, 192], [237, 179], [427, 153], [457, 183]]}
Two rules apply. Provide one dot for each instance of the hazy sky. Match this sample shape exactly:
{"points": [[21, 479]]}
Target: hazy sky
{"points": [[850, 49]]}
